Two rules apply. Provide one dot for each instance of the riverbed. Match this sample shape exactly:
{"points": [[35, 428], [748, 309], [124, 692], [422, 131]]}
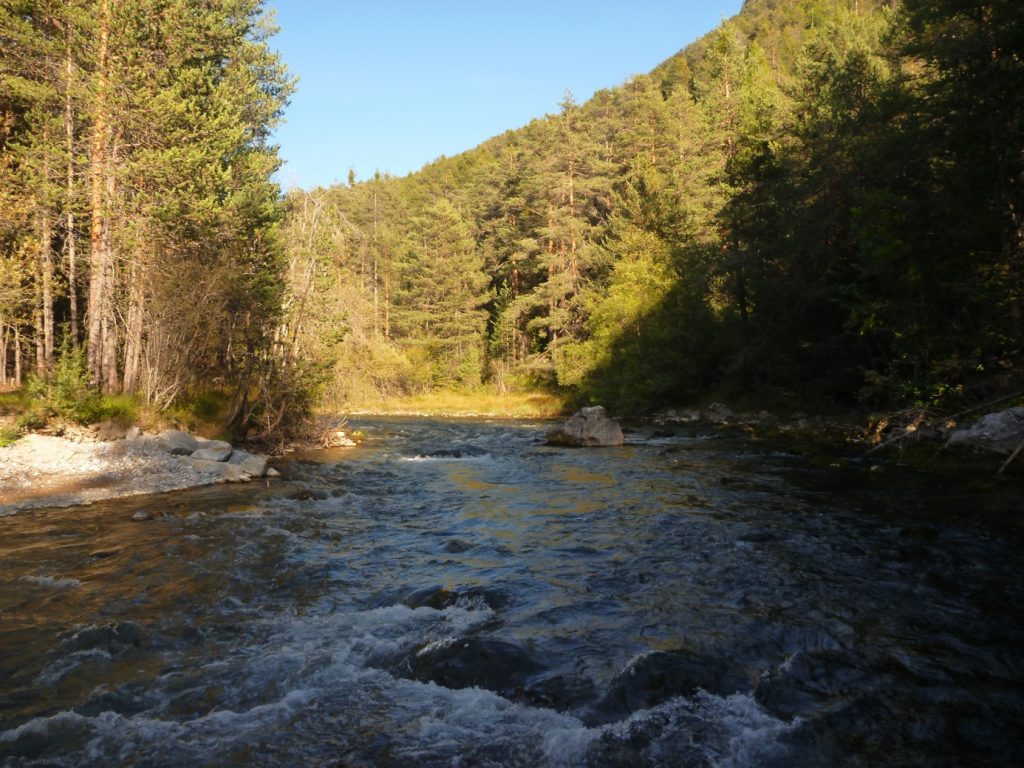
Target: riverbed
{"points": [[455, 593]]}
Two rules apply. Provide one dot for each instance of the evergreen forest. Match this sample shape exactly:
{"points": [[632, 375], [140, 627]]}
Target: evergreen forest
{"points": [[818, 204]]}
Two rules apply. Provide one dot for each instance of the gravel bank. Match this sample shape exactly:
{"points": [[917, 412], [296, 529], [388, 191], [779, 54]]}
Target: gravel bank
{"points": [[40, 471]]}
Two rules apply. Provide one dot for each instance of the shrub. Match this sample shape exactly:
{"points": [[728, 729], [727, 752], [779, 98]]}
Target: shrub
{"points": [[29, 420], [67, 394], [8, 435]]}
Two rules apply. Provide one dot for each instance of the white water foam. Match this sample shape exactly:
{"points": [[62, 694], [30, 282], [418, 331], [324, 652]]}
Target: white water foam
{"points": [[53, 582], [483, 458], [305, 676]]}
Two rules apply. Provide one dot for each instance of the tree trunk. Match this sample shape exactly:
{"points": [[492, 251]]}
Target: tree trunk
{"points": [[46, 270], [3, 353], [17, 357], [133, 332], [69, 202], [98, 169], [37, 321], [111, 380]]}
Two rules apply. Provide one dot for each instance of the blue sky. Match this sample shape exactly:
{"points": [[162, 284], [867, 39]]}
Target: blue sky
{"points": [[394, 84]]}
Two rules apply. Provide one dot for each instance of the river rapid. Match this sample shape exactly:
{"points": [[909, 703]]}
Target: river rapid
{"points": [[454, 593]]}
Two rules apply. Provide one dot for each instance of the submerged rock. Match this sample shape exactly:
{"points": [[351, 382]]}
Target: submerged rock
{"points": [[996, 434], [588, 428], [658, 676], [473, 662], [810, 683]]}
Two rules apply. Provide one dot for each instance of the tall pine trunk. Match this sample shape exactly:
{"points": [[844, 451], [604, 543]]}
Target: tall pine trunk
{"points": [[3, 353], [69, 202], [98, 240], [133, 331], [46, 288]]}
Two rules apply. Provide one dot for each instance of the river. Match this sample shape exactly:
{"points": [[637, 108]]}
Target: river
{"points": [[454, 593]]}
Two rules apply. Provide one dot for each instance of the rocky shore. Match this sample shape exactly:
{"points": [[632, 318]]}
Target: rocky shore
{"points": [[44, 471]]}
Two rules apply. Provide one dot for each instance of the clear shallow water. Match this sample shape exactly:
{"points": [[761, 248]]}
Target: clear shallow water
{"points": [[455, 594]]}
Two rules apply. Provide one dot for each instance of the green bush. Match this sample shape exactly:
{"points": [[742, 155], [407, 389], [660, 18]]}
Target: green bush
{"points": [[32, 419], [122, 408], [8, 435], [69, 396]]}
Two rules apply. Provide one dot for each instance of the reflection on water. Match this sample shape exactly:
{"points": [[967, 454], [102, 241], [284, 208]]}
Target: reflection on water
{"points": [[458, 594]]}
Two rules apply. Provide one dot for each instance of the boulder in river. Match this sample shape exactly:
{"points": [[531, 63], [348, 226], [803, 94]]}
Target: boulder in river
{"points": [[250, 463], [657, 676], [467, 662], [587, 428], [996, 434]]}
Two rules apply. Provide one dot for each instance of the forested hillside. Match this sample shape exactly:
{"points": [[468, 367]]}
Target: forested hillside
{"points": [[139, 247], [821, 201]]}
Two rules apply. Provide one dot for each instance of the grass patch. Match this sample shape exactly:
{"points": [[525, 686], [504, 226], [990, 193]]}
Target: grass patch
{"points": [[14, 401], [525, 405], [203, 413], [8, 435]]}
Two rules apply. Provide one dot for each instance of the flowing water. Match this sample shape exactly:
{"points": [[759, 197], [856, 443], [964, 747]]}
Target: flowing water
{"points": [[457, 594]]}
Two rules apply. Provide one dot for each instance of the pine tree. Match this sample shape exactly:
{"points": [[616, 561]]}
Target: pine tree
{"points": [[441, 294]]}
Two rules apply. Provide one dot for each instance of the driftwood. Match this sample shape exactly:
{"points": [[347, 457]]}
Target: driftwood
{"points": [[932, 422], [1013, 456]]}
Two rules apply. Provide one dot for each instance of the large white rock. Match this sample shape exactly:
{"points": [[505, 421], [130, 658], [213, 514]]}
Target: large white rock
{"points": [[588, 428], [998, 434]]}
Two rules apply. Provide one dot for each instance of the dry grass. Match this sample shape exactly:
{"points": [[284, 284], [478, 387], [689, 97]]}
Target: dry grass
{"points": [[532, 405]]}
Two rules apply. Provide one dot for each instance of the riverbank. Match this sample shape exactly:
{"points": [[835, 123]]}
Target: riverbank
{"points": [[41, 471], [532, 405]]}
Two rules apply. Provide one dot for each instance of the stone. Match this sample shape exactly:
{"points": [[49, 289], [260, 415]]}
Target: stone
{"points": [[718, 413], [271, 472], [468, 662], [588, 428], [657, 676], [203, 443], [221, 470], [996, 434], [212, 454], [177, 443], [809, 683], [250, 462], [141, 516], [110, 430], [134, 433]]}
